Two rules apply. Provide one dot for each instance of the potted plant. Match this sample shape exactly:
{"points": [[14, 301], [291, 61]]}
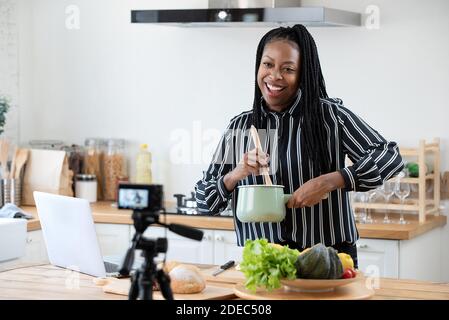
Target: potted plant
{"points": [[4, 107]]}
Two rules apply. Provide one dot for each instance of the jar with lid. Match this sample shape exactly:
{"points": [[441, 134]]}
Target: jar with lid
{"points": [[75, 154], [114, 167], [86, 187], [93, 155]]}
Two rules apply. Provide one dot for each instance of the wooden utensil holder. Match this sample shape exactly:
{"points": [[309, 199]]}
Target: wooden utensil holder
{"points": [[422, 205]]}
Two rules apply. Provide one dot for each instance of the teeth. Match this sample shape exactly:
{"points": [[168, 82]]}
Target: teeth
{"points": [[274, 88]]}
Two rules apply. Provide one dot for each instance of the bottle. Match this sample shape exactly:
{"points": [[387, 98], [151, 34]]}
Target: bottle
{"points": [[143, 165]]}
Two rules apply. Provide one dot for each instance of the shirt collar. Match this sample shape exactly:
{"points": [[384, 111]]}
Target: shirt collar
{"points": [[293, 110]]}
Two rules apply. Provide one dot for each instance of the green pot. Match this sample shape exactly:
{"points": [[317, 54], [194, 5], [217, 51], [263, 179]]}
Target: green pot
{"points": [[261, 203]]}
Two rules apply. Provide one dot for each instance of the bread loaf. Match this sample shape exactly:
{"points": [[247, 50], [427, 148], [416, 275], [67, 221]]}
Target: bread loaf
{"points": [[186, 279]]}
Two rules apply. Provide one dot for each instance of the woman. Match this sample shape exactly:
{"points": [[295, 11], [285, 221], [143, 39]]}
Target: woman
{"points": [[312, 135]]}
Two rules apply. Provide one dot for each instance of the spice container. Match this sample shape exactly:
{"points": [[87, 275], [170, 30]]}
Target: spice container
{"points": [[114, 167], [93, 155], [86, 187]]}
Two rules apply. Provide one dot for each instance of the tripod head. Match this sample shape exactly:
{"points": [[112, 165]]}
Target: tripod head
{"points": [[142, 220]]}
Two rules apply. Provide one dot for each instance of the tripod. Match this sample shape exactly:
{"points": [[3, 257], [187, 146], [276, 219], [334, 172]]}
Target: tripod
{"points": [[142, 279]]}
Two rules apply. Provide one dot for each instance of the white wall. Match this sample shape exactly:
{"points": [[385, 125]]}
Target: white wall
{"points": [[112, 78], [9, 65]]}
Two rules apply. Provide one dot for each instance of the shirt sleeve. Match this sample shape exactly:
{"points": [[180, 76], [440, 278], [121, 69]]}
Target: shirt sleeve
{"points": [[375, 159], [210, 192]]}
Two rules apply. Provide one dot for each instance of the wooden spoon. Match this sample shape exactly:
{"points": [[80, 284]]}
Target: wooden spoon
{"points": [[13, 163], [21, 159], [255, 136], [4, 149]]}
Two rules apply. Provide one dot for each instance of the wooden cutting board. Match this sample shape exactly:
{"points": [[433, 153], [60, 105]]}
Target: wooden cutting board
{"points": [[211, 292], [228, 276], [354, 291]]}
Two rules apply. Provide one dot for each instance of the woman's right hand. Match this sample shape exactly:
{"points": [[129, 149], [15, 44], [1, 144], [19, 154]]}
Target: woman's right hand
{"points": [[252, 163]]}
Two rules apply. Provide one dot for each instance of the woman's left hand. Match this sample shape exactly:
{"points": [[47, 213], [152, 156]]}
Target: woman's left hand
{"points": [[315, 190]]}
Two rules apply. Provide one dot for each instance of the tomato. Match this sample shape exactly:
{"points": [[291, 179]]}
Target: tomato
{"points": [[349, 273]]}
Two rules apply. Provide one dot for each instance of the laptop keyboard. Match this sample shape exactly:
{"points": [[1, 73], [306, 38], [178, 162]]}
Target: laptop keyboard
{"points": [[110, 267]]}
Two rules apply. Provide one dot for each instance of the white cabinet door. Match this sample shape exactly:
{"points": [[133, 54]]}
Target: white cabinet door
{"points": [[35, 249], [378, 257], [226, 248], [420, 257], [113, 239], [183, 249]]}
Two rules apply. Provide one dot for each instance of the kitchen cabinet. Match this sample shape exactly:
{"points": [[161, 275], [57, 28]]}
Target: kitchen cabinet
{"points": [[378, 257], [114, 239], [217, 246], [183, 249], [225, 247], [418, 258], [35, 249]]}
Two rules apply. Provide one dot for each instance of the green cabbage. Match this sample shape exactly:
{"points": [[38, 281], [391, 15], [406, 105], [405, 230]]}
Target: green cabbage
{"points": [[264, 265]]}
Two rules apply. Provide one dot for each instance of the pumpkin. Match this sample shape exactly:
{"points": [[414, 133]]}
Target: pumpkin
{"points": [[337, 270], [319, 262]]}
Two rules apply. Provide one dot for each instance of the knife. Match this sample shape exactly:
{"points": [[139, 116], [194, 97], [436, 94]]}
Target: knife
{"points": [[224, 267]]}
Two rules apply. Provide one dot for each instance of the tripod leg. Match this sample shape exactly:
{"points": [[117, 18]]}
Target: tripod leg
{"points": [[164, 284], [134, 289], [146, 287]]}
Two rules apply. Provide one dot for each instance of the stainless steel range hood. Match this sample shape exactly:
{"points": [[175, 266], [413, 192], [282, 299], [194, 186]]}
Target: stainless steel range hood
{"points": [[249, 13]]}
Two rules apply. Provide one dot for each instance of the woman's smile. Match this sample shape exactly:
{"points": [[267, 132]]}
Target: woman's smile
{"points": [[273, 90]]}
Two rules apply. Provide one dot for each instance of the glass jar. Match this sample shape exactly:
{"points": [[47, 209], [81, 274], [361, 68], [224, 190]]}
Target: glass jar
{"points": [[86, 187], [114, 167], [93, 155], [75, 155]]}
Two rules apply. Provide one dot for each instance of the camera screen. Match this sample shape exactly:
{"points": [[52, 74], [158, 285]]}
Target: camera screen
{"points": [[133, 198]]}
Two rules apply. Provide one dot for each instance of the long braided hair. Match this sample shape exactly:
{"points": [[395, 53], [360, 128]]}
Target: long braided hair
{"points": [[313, 137]]}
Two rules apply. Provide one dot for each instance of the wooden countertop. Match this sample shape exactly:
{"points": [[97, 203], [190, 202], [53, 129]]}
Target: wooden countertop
{"points": [[53, 283], [104, 212]]}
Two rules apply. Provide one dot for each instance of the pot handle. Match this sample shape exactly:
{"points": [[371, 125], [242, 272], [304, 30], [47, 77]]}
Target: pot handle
{"points": [[286, 198]]}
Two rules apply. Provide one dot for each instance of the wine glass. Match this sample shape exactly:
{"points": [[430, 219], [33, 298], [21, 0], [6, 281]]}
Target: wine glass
{"points": [[387, 190], [402, 191], [363, 198], [371, 196]]}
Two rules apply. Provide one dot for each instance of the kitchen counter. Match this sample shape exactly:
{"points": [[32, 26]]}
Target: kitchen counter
{"points": [[54, 283], [104, 212]]}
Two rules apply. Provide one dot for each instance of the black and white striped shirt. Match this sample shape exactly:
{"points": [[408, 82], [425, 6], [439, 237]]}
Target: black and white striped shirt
{"points": [[331, 221]]}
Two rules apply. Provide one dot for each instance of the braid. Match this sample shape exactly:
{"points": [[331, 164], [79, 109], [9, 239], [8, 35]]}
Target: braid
{"points": [[313, 137]]}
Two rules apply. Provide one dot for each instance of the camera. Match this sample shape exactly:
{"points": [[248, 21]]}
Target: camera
{"points": [[140, 197]]}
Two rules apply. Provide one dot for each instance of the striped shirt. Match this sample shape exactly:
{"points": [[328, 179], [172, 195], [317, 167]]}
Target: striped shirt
{"points": [[331, 221]]}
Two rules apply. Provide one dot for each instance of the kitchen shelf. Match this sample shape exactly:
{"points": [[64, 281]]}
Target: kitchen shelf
{"points": [[421, 205]]}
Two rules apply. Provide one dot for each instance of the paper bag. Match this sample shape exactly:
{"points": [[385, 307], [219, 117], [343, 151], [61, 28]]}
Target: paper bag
{"points": [[46, 171]]}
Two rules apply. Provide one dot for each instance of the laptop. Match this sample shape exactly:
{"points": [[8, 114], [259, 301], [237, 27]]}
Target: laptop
{"points": [[69, 234]]}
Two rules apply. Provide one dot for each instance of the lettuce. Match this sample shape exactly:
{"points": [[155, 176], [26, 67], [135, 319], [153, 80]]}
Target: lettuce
{"points": [[264, 265]]}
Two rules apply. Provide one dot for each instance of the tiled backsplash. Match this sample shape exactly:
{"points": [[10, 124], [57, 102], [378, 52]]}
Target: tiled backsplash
{"points": [[9, 66]]}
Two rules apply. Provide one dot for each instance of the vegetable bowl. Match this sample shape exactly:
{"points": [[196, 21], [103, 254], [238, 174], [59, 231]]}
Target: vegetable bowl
{"points": [[318, 285]]}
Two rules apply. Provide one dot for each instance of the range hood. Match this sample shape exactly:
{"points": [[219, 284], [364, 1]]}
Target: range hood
{"points": [[249, 13]]}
